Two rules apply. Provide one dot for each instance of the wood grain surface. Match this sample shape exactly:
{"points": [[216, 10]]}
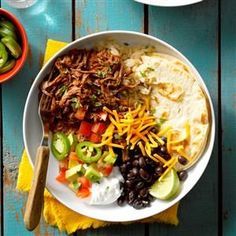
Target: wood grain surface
{"points": [[228, 113], [205, 33], [42, 21], [194, 31]]}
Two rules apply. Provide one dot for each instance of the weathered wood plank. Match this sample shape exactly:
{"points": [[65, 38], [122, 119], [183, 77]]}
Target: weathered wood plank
{"points": [[1, 164], [94, 16], [228, 95], [193, 30], [42, 21]]}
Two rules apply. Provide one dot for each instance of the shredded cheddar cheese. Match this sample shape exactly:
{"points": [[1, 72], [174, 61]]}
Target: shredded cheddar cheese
{"points": [[136, 128], [116, 145], [157, 138], [173, 163], [164, 131], [153, 143], [159, 158], [177, 140], [180, 150], [142, 148]]}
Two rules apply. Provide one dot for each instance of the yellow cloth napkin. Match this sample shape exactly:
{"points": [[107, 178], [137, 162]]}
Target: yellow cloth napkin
{"points": [[59, 215]]}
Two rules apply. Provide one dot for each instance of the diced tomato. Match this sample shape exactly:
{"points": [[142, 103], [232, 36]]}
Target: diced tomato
{"points": [[63, 165], [95, 138], [62, 177], [80, 114], [85, 183], [83, 192], [73, 156], [98, 128], [108, 170], [102, 115], [85, 128], [105, 169]]}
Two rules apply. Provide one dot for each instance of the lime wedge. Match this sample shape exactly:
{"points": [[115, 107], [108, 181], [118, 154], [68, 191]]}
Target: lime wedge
{"points": [[167, 187]]}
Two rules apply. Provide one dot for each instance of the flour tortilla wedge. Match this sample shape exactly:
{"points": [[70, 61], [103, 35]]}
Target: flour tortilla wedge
{"points": [[178, 98]]}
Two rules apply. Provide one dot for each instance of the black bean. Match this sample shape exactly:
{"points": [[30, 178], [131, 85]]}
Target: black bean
{"points": [[139, 197], [135, 152], [182, 160], [136, 156], [139, 185], [128, 164], [145, 203], [130, 176], [134, 171], [163, 138], [137, 204], [149, 180], [155, 176], [154, 167], [163, 149], [156, 163], [128, 183], [183, 175], [123, 168], [140, 173], [164, 168], [130, 201], [149, 161], [154, 130], [143, 192], [167, 156], [150, 198], [159, 170], [135, 163], [143, 174], [121, 201], [123, 193], [131, 195], [141, 162], [138, 178], [132, 183], [118, 161]]}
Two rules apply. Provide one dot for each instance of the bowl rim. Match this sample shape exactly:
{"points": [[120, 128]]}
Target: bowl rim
{"points": [[211, 135], [168, 3], [25, 46]]}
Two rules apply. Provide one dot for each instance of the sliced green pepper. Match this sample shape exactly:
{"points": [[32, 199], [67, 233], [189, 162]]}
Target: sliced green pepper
{"points": [[12, 46], [87, 152], [8, 66], [7, 24], [110, 159], [60, 146], [3, 55], [73, 141], [4, 32]]}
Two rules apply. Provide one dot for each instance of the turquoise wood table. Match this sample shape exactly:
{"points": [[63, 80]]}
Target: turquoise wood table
{"points": [[205, 33]]}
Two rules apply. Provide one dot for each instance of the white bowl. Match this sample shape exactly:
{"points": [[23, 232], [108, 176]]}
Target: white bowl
{"points": [[32, 132], [168, 3]]}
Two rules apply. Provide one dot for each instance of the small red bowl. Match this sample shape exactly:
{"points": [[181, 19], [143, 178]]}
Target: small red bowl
{"points": [[23, 43]]}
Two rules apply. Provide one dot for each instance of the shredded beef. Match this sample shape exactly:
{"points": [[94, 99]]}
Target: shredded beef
{"points": [[85, 79]]}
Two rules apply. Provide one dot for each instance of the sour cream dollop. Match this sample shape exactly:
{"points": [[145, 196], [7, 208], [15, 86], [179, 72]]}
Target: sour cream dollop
{"points": [[108, 190]]}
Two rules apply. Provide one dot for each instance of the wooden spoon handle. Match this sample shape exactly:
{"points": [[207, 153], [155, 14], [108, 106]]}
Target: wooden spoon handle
{"points": [[36, 194]]}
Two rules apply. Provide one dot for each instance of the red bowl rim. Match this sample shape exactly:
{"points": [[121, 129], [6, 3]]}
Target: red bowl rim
{"points": [[22, 33]]}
